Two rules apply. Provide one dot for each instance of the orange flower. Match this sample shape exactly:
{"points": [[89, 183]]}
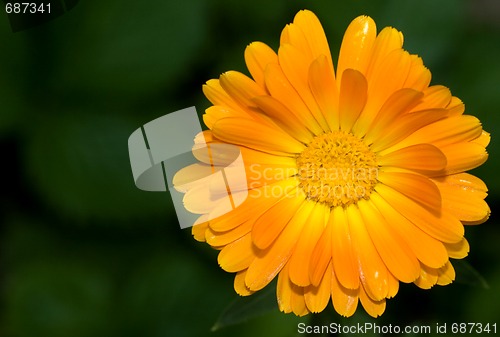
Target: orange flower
{"points": [[356, 177]]}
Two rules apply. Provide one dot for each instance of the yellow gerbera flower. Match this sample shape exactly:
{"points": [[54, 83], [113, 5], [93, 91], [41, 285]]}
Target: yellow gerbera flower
{"points": [[356, 177]]}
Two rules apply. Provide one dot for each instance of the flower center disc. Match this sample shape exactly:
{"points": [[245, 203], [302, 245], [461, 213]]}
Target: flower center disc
{"points": [[337, 168]]}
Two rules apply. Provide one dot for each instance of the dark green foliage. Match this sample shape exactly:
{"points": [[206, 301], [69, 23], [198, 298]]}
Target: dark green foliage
{"points": [[84, 253]]}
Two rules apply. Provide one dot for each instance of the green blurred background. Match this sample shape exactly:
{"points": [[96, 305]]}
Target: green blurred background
{"points": [[85, 253]]}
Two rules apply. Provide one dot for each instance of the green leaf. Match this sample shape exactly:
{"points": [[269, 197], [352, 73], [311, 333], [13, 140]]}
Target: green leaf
{"points": [[246, 308], [466, 274]]}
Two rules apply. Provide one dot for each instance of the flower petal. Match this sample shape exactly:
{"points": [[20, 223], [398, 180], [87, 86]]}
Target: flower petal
{"points": [[415, 186], [393, 286], [400, 102], [455, 107], [446, 131], [257, 56], [241, 88], [191, 176], [321, 256], [421, 157], [285, 119], [290, 296], [237, 255], [483, 139], [317, 297], [270, 224], [294, 35], [199, 228], [270, 261], [372, 307], [352, 99], [239, 284], [199, 200], [388, 77], [427, 249], [357, 44], [372, 270], [428, 277], [314, 34], [299, 263], [436, 96], [458, 250], [343, 254], [397, 256], [444, 226], [446, 274], [462, 157], [464, 202], [248, 132], [324, 89], [387, 40], [389, 74], [220, 239], [258, 201], [404, 126], [280, 88], [296, 68], [465, 181], [419, 76], [345, 301], [216, 94], [216, 112]]}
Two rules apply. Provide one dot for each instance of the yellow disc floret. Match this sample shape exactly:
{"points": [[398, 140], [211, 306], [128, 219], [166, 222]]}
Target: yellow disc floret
{"points": [[337, 168]]}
